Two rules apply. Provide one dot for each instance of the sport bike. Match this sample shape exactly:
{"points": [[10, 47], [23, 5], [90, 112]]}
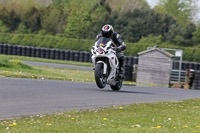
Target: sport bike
{"points": [[106, 64]]}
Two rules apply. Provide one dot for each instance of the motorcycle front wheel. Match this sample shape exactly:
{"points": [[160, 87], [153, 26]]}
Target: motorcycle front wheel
{"points": [[100, 78]]}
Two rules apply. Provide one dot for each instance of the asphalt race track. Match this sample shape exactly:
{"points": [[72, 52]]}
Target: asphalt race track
{"points": [[22, 97]]}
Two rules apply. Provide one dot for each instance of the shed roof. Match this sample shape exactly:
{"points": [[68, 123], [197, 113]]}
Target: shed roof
{"points": [[157, 49]]}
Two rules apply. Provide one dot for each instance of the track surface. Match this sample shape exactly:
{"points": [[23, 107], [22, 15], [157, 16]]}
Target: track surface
{"points": [[31, 97]]}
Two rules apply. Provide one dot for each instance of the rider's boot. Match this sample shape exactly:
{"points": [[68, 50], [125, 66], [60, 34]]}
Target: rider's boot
{"points": [[121, 73], [121, 68]]}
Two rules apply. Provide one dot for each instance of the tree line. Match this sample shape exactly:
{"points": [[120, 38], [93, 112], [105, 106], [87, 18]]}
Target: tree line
{"points": [[83, 19]]}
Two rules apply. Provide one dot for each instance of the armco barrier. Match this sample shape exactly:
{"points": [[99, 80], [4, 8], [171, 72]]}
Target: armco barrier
{"points": [[128, 76], [62, 55], [80, 56], [186, 65], [196, 81]]}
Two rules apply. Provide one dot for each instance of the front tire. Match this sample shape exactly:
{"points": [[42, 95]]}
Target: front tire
{"points": [[100, 79]]}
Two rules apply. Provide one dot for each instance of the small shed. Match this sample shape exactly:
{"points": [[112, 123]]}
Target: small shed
{"points": [[154, 66]]}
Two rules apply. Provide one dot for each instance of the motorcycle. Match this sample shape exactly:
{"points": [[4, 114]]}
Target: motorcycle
{"points": [[106, 64]]}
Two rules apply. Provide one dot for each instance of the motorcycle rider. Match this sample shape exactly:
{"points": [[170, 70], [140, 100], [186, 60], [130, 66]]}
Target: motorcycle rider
{"points": [[108, 31]]}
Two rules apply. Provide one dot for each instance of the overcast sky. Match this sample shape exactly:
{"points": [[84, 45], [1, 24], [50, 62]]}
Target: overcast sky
{"points": [[152, 3]]}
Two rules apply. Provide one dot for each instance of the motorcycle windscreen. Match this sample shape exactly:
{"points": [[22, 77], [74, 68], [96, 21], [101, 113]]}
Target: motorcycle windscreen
{"points": [[102, 41]]}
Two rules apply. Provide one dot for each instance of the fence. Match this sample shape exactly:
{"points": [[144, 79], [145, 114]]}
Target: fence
{"points": [[45, 53], [83, 56], [175, 74], [185, 66]]}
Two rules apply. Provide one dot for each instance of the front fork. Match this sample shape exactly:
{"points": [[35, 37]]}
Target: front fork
{"points": [[104, 67]]}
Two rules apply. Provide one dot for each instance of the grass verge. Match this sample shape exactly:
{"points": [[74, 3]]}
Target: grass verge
{"points": [[165, 117], [15, 68], [51, 73], [45, 60], [11, 66]]}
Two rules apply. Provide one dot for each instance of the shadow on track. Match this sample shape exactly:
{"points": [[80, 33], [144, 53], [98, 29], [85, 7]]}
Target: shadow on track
{"points": [[121, 91]]}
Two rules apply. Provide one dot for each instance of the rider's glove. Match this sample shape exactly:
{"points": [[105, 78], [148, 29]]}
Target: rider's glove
{"points": [[117, 49]]}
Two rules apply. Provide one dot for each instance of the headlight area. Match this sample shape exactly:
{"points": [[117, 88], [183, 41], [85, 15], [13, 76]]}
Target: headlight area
{"points": [[100, 50]]}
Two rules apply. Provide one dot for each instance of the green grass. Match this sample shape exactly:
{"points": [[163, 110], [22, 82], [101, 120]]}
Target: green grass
{"points": [[45, 60], [37, 72], [11, 66], [162, 117], [15, 68]]}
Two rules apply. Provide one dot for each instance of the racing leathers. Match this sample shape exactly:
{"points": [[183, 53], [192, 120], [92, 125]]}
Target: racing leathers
{"points": [[120, 47]]}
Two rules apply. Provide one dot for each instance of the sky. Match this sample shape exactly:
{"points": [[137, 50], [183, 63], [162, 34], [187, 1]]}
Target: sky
{"points": [[196, 17], [152, 3]]}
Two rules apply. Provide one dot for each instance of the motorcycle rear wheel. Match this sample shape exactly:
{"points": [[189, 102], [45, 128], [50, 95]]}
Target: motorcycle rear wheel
{"points": [[116, 87], [100, 79]]}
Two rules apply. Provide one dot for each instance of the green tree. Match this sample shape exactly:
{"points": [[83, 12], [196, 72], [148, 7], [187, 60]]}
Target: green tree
{"points": [[32, 19], [10, 19], [53, 20], [172, 31], [79, 20], [21, 6], [61, 3], [196, 35], [124, 6], [3, 27], [100, 13], [181, 36], [23, 29], [179, 9], [142, 23]]}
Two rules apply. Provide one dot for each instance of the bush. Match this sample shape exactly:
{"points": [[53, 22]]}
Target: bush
{"points": [[19, 64], [4, 62], [46, 41]]}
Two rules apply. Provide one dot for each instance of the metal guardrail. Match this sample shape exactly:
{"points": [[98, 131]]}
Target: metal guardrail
{"points": [[175, 75]]}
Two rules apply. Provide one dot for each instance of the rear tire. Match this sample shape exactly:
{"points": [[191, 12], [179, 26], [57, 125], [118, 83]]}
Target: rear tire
{"points": [[116, 87], [100, 79]]}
